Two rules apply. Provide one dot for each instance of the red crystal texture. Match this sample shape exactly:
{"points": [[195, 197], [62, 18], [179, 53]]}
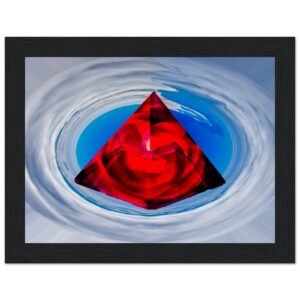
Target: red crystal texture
{"points": [[151, 161]]}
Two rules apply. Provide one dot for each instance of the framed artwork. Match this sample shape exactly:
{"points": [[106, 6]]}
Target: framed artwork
{"points": [[150, 150]]}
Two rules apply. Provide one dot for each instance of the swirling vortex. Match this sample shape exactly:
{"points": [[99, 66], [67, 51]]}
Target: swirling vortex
{"points": [[58, 112]]}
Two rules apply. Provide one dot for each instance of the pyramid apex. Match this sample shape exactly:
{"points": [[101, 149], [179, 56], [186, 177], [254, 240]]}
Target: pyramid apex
{"points": [[154, 98], [153, 94]]}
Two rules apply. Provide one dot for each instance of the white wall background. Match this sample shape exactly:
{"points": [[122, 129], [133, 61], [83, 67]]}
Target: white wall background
{"points": [[145, 18]]}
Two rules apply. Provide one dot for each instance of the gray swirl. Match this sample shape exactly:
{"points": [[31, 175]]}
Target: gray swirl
{"points": [[79, 94]]}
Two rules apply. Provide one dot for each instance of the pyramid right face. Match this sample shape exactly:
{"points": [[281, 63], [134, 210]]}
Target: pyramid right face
{"points": [[151, 161]]}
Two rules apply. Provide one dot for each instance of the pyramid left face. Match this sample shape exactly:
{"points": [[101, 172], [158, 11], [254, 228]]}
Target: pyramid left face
{"points": [[151, 161]]}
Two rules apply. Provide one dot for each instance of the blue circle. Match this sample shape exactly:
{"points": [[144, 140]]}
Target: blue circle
{"points": [[210, 132]]}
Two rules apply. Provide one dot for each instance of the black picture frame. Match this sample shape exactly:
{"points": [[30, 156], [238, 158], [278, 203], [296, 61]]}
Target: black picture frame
{"points": [[17, 48]]}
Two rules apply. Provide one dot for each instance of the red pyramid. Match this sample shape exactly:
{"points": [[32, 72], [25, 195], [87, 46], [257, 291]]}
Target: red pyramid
{"points": [[151, 161]]}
